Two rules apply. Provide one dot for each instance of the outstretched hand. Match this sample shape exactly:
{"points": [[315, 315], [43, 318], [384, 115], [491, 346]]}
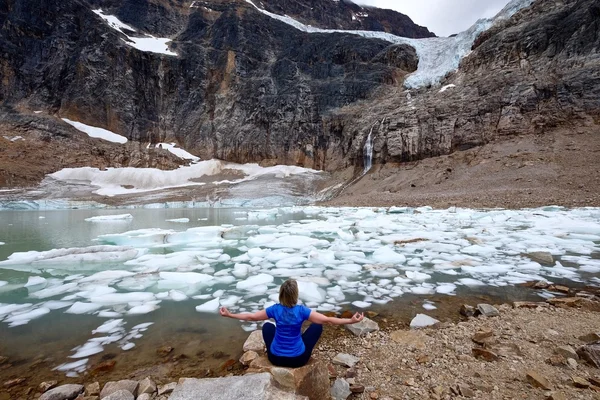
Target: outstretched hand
{"points": [[224, 312], [357, 318]]}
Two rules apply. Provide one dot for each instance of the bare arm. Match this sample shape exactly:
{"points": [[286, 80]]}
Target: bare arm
{"points": [[321, 319], [257, 316]]}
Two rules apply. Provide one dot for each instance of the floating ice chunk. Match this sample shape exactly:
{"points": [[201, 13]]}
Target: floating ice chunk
{"points": [[23, 318], [241, 270], [422, 290], [92, 254], [417, 276], [87, 350], [310, 292], [143, 309], [260, 279], [109, 326], [230, 301], [107, 276], [179, 220], [83, 308], [445, 288], [142, 327], [3, 283], [429, 306], [250, 328], [176, 295], [56, 305], [190, 278], [36, 281], [128, 346], [422, 321], [471, 282], [111, 218], [210, 306], [71, 366], [361, 304], [122, 298], [54, 291], [109, 314], [2, 243], [387, 255], [286, 242]]}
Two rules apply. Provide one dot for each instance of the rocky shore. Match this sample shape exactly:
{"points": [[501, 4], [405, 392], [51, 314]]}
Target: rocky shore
{"points": [[528, 350]]}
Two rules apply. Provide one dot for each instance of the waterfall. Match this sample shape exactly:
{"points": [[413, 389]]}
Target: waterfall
{"points": [[368, 152]]}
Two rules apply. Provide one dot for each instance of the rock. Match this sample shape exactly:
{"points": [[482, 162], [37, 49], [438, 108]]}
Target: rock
{"points": [[374, 395], [64, 392], [166, 389], [410, 382], [467, 311], [579, 382], [92, 389], [164, 351], [331, 371], [537, 380], [45, 386], [13, 382], [572, 363], [595, 381], [590, 338], [249, 387], [255, 342], [567, 352], [590, 353], [248, 357], [466, 391], [103, 367], [411, 339], [3, 359], [350, 373], [529, 304], [340, 390], [365, 326], [559, 288], [557, 396], [145, 396], [565, 301], [541, 285], [146, 385], [346, 360], [357, 388], [483, 336], [422, 321], [125, 384], [485, 354], [487, 310], [556, 360], [542, 257], [120, 395]]}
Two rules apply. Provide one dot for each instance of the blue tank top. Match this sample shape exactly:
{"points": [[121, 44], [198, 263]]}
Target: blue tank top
{"points": [[288, 335]]}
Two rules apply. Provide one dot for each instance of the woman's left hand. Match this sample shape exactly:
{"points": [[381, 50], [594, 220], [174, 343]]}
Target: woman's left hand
{"points": [[224, 312]]}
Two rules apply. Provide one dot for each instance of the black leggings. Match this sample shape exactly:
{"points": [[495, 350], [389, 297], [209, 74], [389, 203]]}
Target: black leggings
{"points": [[310, 337]]}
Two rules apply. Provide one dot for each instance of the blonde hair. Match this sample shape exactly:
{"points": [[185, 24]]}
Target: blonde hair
{"points": [[288, 293]]}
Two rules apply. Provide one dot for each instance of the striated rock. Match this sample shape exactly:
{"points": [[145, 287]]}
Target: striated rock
{"points": [[255, 342], [120, 395], [250, 387], [487, 310], [311, 380], [13, 382], [64, 392], [346, 360], [146, 385], [565, 301], [92, 389], [166, 389], [529, 304], [340, 390], [595, 381], [567, 352], [557, 396], [541, 257], [483, 336], [422, 321], [467, 311], [248, 357], [580, 382], [365, 326], [537, 380], [590, 338], [465, 391], [485, 354], [112, 387], [144, 396], [45, 386], [590, 353]]}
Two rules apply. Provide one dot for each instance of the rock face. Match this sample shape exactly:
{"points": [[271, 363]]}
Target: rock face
{"points": [[250, 387]]}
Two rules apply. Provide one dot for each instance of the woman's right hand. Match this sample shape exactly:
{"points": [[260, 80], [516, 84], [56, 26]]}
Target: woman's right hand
{"points": [[224, 312], [356, 318]]}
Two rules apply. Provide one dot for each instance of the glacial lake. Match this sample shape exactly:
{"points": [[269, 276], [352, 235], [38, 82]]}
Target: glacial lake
{"points": [[81, 286]]}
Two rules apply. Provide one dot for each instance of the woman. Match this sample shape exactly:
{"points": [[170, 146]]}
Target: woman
{"points": [[286, 345]]}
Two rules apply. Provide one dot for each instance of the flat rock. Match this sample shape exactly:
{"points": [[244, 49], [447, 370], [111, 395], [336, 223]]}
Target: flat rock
{"points": [[529, 304], [144, 396], [483, 336], [146, 385], [537, 380], [567, 352], [120, 395], [249, 387], [92, 389], [410, 339], [542, 257], [485, 354], [64, 392], [487, 310], [45, 386], [590, 338], [166, 389], [579, 382], [590, 353], [422, 321], [365, 326], [125, 384], [255, 342], [557, 396], [13, 382], [247, 358], [465, 390], [565, 301], [346, 360], [340, 390]]}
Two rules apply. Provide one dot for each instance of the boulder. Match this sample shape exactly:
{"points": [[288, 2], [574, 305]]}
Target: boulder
{"points": [[92, 389], [542, 257], [487, 310], [45, 386], [485, 354], [248, 357], [146, 385], [144, 396], [565, 301], [590, 353], [345, 360], [365, 326], [255, 343], [64, 392], [166, 389], [590, 337], [538, 381], [112, 387], [422, 321], [120, 395], [580, 382], [483, 336], [567, 352], [311, 380], [467, 311], [340, 390], [249, 387]]}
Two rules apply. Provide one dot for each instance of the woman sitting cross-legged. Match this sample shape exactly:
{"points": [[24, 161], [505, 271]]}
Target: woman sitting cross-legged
{"points": [[286, 345]]}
